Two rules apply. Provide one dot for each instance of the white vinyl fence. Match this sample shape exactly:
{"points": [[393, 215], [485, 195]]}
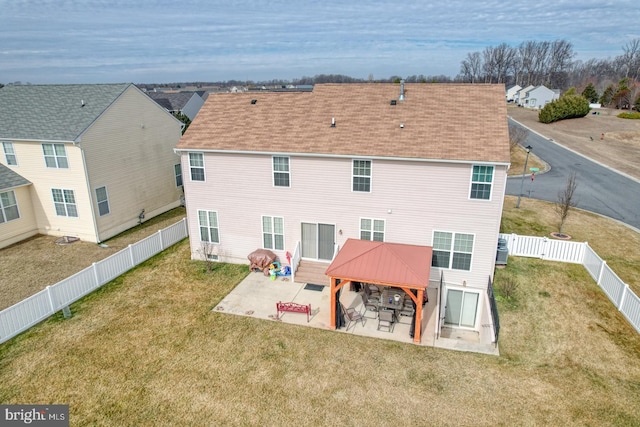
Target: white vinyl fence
{"points": [[23, 315], [580, 253]]}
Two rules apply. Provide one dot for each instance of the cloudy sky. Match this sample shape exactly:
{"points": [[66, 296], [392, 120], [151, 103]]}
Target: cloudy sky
{"points": [[155, 41]]}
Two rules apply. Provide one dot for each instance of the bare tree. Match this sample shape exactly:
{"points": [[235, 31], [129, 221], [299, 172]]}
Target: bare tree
{"points": [[566, 200], [517, 136]]}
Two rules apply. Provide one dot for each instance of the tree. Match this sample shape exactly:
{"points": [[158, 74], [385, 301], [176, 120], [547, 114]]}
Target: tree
{"points": [[209, 256], [567, 107], [566, 201], [184, 119], [590, 93], [517, 136]]}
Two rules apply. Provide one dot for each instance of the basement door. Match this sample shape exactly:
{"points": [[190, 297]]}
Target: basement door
{"points": [[318, 241], [461, 308]]}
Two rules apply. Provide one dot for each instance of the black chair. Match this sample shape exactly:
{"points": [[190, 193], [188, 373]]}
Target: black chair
{"points": [[386, 320]]}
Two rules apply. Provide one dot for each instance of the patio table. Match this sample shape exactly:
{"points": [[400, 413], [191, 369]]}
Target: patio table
{"points": [[388, 294]]}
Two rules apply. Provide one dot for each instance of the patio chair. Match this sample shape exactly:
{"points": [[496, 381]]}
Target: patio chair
{"points": [[407, 311], [352, 315], [385, 320], [369, 306]]}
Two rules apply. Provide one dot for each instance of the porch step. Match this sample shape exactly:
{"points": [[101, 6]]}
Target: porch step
{"points": [[312, 272]]}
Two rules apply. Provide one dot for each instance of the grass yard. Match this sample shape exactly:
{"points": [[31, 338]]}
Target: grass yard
{"points": [[147, 350]]}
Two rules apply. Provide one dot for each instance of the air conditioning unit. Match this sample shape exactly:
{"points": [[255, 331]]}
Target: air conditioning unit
{"points": [[503, 252]]}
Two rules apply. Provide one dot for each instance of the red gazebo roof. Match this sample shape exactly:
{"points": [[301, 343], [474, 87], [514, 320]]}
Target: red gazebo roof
{"points": [[382, 262]]}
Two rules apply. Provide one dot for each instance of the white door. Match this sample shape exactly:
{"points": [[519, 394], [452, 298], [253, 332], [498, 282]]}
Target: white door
{"points": [[461, 308]]}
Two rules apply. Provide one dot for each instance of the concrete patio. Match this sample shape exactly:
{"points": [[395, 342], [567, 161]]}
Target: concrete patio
{"points": [[257, 295]]}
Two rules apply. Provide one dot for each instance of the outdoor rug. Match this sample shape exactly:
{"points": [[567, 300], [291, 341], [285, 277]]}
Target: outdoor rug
{"points": [[312, 287]]}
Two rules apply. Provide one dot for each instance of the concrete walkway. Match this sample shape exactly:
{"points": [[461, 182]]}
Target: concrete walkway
{"points": [[257, 295]]}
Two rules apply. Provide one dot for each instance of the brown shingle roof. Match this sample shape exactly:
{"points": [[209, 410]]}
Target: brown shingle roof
{"points": [[441, 121]]}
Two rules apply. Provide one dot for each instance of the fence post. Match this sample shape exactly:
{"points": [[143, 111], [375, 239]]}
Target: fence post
{"points": [[51, 303], [95, 274], [624, 293], [131, 257], [544, 248], [602, 265], [161, 241]]}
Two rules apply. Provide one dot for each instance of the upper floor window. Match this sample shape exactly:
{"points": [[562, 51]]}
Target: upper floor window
{"points": [[273, 232], [208, 221], [103, 200], [362, 175], [64, 202], [481, 182], [452, 250], [9, 154], [55, 156], [196, 163], [372, 229], [281, 171], [177, 169], [8, 207]]}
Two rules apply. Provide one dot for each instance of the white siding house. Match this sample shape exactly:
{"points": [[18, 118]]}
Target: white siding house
{"points": [[96, 156], [539, 96], [306, 171]]}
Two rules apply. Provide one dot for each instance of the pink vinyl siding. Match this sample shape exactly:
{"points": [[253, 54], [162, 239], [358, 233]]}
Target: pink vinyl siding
{"points": [[413, 198]]}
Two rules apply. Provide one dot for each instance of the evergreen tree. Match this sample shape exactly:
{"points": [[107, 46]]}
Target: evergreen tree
{"points": [[590, 93]]}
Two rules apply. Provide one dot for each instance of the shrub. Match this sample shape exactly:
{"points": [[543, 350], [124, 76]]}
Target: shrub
{"points": [[507, 286], [567, 107], [633, 115]]}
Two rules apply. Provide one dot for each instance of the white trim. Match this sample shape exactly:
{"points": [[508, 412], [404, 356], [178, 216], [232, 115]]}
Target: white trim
{"points": [[75, 203], [2, 207], [372, 231], [316, 223], [273, 232], [208, 226], [55, 156], [274, 171], [204, 172], [353, 175], [106, 192], [12, 154], [344, 156], [471, 182], [478, 305], [452, 251]]}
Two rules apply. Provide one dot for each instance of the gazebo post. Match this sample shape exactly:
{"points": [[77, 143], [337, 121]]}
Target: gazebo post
{"points": [[332, 320], [416, 329]]}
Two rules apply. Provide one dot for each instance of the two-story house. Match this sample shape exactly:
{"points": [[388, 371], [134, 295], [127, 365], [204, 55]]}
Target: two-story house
{"points": [[303, 172], [95, 159]]}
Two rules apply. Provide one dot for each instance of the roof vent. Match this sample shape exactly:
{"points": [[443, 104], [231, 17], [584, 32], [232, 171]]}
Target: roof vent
{"points": [[401, 97], [393, 102], [333, 122], [82, 103], [253, 101]]}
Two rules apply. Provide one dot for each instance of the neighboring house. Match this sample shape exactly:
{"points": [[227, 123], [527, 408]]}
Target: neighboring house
{"points": [[99, 157], [17, 219], [522, 94], [512, 91], [302, 172], [538, 97], [187, 103]]}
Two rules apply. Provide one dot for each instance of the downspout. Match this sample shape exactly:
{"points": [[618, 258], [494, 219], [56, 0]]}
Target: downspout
{"points": [[86, 176]]}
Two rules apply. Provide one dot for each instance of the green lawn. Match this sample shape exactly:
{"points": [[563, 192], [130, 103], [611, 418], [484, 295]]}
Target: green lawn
{"points": [[147, 350]]}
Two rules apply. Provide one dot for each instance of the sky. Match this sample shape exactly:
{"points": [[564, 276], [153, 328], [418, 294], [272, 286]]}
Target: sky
{"points": [[162, 41]]}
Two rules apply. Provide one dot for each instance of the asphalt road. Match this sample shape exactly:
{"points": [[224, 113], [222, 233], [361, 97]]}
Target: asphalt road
{"points": [[600, 189]]}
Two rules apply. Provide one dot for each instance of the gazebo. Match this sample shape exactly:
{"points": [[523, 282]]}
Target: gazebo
{"points": [[402, 266]]}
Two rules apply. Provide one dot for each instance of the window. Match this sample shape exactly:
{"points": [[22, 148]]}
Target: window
{"points": [[177, 169], [481, 182], [8, 207], [55, 156], [196, 163], [208, 221], [452, 250], [65, 202], [273, 232], [103, 200], [362, 175], [9, 154], [372, 229], [281, 171]]}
